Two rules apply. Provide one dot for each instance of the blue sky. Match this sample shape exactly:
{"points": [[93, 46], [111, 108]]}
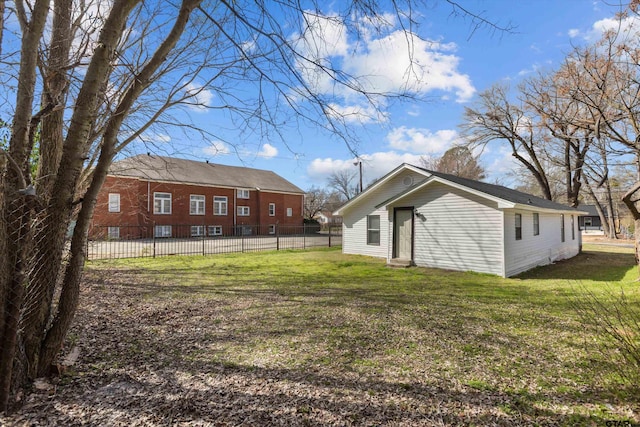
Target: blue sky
{"points": [[459, 63], [468, 63]]}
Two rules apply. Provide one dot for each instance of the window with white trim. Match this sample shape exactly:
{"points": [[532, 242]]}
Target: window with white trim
{"points": [[220, 205], [289, 211], [243, 194], [573, 230], [373, 229], [196, 205], [162, 203], [536, 224], [272, 229], [243, 211], [114, 202], [162, 231], [562, 227], [215, 230], [197, 230], [518, 226], [272, 209], [113, 232]]}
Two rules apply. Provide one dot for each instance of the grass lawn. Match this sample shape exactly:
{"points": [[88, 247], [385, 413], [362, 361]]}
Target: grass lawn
{"points": [[322, 338]]}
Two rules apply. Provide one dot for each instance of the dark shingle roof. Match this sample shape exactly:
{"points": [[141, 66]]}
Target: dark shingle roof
{"points": [[591, 209], [158, 168], [498, 191]]}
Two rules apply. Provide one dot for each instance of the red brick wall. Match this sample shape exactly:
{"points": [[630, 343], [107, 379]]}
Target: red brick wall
{"points": [[136, 195]]}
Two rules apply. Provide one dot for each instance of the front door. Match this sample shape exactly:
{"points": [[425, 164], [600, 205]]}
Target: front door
{"points": [[403, 233]]}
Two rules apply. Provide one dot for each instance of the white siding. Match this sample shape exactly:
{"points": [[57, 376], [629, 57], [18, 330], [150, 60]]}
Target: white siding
{"points": [[543, 249], [354, 225], [460, 231]]}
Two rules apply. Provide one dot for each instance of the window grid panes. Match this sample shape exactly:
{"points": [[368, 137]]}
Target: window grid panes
{"points": [[162, 231], [373, 229], [219, 205], [215, 230], [289, 211], [114, 202], [243, 194], [197, 230], [272, 209], [162, 203], [562, 228], [243, 211], [518, 227], [536, 224], [196, 205]]}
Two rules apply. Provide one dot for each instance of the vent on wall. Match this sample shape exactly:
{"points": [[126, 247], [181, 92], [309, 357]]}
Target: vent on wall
{"points": [[407, 181]]}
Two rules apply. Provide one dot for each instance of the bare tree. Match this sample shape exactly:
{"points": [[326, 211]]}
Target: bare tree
{"points": [[315, 201], [496, 117], [343, 183], [457, 161], [105, 74]]}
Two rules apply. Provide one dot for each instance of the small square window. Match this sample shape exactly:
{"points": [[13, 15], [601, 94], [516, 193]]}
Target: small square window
{"points": [[272, 229], [244, 211], [114, 202], [243, 194], [162, 231], [197, 230], [215, 230], [113, 232], [289, 212]]}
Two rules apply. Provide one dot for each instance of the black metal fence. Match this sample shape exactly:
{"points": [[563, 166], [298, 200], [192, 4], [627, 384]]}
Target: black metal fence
{"points": [[127, 241]]}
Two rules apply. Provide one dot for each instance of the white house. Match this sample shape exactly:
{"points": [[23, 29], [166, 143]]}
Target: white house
{"points": [[431, 219]]}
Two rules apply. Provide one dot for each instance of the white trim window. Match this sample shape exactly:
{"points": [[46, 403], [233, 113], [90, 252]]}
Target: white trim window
{"points": [[242, 193], [573, 229], [197, 230], [244, 211], [196, 204], [272, 209], [162, 231], [562, 228], [272, 229], [113, 232], [289, 211], [215, 230], [536, 224], [373, 230], [114, 202], [162, 203], [518, 226], [220, 204]]}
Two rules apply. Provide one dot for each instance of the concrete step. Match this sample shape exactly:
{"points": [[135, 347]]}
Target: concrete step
{"points": [[399, 263]]}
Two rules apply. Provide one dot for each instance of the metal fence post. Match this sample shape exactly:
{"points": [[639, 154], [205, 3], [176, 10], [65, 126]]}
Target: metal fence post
{"points": [[277, 237], [304, 236], [330, 235], [242, 239], [153, 237]]}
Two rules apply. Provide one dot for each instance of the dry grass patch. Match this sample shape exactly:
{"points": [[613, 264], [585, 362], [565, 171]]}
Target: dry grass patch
{"points": [[322, 338]]}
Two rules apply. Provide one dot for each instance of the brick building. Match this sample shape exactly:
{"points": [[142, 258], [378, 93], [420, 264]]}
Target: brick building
{"points": [[146, 196]]}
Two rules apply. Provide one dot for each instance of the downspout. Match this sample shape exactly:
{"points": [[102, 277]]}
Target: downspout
{"points": [[259, 210]]}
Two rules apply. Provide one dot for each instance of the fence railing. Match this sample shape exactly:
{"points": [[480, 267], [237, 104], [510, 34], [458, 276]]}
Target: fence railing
{"points": [[128, 241]]}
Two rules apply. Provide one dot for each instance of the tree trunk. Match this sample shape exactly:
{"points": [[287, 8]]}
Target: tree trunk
{"points": [[631, 203]]}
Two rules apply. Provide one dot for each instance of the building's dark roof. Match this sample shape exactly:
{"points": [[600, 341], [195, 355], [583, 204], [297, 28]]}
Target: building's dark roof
{"points": [[501, 192], [591, 209], [158, 168]]}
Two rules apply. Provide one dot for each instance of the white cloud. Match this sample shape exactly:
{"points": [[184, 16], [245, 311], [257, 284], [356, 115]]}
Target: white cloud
{"points": [[374, 165], [268, 151], [160, 138], [422, 140], [217, 148], [200, 97], [395, 62], [574, 32]]}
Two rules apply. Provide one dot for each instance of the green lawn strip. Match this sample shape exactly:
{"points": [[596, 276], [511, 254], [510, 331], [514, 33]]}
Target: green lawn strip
{"points": [[351, 315]]}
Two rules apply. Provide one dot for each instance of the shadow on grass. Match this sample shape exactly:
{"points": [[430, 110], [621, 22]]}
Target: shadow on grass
{"points": [[589, 265]]}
